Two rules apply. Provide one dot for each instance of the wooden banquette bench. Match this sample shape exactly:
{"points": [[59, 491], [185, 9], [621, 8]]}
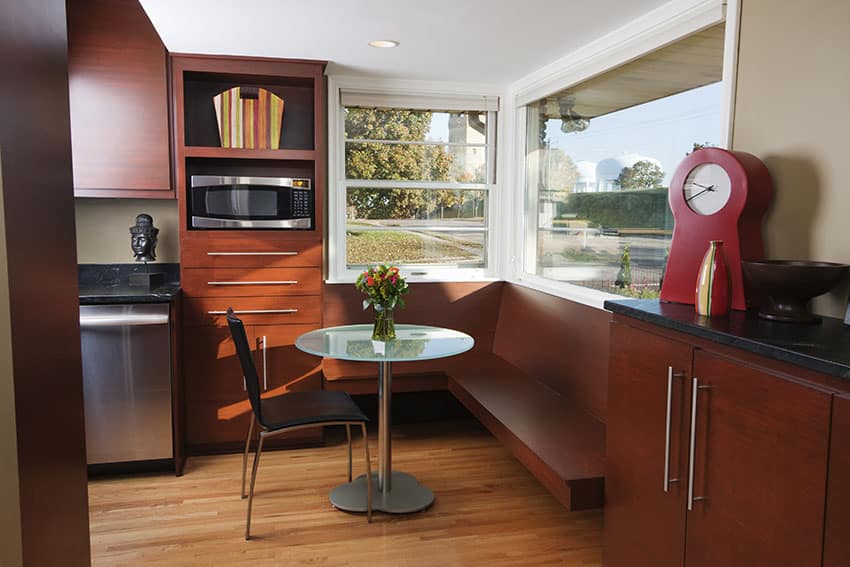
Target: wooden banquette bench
{"points": [[536, 377]]}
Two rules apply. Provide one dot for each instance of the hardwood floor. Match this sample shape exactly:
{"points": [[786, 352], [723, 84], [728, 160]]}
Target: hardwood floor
{"points": [[489, 510]]}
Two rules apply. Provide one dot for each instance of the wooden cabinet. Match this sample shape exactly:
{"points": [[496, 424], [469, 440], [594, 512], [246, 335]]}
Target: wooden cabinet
{"points": [[836, 552], [118, 89], [644, 505], [271, 278], [217, 409], [759, 458], [760, 463]]}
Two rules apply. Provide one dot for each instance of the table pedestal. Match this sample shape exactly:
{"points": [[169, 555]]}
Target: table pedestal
{"points": [[392, 492], [406, 497]]}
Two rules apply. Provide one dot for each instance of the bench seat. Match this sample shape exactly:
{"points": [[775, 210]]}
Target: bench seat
{"points": [[562, 445]]}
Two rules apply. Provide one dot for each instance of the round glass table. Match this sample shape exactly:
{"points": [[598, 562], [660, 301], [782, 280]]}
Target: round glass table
{"points": [[395, 492]]}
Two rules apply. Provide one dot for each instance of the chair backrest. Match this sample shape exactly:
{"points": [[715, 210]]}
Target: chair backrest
{"points": [[246, 359]]}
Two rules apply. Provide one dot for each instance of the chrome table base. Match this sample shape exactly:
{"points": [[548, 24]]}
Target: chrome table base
{"points": [[393, 492], [407, 495]]}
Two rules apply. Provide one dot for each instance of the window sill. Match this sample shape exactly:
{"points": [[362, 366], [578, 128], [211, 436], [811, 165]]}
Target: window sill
{"points": [[584, 295], [423, 279]]}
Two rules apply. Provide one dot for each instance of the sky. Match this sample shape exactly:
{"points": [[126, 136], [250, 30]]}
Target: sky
{"points": [[665, 129]]}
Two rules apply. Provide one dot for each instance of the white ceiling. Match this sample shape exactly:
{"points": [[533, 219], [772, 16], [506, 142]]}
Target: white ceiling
{"points": [[482, 41]]}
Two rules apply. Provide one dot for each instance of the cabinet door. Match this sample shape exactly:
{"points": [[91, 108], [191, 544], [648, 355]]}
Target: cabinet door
{"points": [[836, 552], [644, 524], [119, 101], [281, 366], [760, 460], [217, 408]]}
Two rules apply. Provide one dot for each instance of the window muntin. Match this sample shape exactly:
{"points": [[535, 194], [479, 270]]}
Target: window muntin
{"points": [[596, 184], [416, 188]]}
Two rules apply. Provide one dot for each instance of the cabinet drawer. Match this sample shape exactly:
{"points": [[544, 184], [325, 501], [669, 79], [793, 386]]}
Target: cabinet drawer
{"points": [[209, 311], [247, 252], [241, 282]]}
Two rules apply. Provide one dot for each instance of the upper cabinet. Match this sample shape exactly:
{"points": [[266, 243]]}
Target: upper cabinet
{"points": [[247, 117], [118, 81]]}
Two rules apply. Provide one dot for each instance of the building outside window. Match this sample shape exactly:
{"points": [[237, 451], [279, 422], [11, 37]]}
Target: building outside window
{"points": [[599, 158], [417, 184]]}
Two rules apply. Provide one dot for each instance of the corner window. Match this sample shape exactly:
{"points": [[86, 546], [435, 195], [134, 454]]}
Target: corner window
{"points": [[599, 158], [417, 187]]}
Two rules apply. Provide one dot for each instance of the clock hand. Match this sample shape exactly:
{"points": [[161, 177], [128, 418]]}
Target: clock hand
{"points": [[699, 185], [709, 188]]}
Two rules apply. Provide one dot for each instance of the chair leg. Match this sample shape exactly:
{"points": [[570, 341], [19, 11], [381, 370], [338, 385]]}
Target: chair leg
{"points": [[368, 474], [348, 434], [251, 491], [247, 449]]}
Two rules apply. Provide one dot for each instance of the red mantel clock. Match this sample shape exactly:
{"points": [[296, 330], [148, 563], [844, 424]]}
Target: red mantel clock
{"points": [[715, 194]]}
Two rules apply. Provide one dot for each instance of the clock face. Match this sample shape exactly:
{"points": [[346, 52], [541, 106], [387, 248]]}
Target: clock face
{"points": [[707, 188]]}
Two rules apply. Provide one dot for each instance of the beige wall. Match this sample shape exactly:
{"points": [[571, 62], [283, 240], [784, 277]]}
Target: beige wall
{"points": [[103, 235], [793, 111], [10, 510]]}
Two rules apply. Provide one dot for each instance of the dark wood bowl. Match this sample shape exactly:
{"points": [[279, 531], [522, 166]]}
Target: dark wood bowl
{"points": [[789, 286]]}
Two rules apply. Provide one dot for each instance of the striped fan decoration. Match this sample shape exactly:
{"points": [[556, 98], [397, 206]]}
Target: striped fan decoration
{"points": [[249, 117]]}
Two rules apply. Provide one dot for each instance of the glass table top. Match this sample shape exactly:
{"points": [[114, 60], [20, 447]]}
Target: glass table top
{"points": [[412, 342]]}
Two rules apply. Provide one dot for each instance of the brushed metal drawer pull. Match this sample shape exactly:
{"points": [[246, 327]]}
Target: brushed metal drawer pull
{"points": [[265, 364], [254, 312], [695, 388], [670, 376], [252, 253], [265, 282]]}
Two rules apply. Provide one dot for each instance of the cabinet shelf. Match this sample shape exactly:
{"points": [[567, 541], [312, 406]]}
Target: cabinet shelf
{"points": [[245, 153]]}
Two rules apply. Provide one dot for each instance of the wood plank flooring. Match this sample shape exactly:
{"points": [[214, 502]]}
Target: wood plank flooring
{"points": [[489, 510]]}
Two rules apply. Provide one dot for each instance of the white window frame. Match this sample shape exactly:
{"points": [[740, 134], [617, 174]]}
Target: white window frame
{"points": [[423, 94], [660, 27]]}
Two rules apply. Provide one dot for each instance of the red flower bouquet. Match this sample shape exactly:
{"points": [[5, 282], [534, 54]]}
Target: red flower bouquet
{"points": [[384, 287]]}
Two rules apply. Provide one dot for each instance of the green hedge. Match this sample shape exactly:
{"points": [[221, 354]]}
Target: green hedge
{"points": [[622, 209]]}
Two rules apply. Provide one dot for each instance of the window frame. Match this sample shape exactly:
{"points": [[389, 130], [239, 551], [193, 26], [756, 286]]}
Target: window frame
{"points": [[440, 94], [656, 29]]}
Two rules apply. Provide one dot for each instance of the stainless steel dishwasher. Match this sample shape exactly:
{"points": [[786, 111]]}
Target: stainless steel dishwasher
{"points": [[127, 382]]}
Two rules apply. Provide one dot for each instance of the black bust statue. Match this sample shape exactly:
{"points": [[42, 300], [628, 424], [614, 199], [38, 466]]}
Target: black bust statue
{"points": [[143, 239]]}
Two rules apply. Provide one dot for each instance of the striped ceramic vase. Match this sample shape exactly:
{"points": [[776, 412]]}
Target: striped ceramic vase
{"points": [[713, 294]]}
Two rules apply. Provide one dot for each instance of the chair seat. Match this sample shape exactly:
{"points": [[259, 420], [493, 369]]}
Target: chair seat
{"points": [[303, 408]]}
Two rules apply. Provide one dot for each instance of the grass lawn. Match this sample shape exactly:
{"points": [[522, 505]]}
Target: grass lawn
{"points": [[363, 248]]}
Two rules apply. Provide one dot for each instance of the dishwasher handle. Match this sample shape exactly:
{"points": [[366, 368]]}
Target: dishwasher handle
{"points": [[122, 320]]}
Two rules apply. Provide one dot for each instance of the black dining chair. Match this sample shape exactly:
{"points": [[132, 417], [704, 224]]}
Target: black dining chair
{"points": [[288, 412]]}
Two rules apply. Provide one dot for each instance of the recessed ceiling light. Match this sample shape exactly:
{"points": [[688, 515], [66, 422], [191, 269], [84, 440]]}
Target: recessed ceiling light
{"points": [[383, 43]]}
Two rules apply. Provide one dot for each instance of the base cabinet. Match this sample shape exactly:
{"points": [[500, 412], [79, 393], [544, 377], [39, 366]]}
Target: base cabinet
{"points": [[836, 543], [644, 505], [711, 460], [217, 409], [760, 451]]}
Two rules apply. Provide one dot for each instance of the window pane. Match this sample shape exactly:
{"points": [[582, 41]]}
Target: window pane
{"points": [[416, 226], [415, 125], [600, 186], [374, 160]]}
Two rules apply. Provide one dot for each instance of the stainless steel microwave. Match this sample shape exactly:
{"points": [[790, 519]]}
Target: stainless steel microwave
{"points": [[251, 202]]}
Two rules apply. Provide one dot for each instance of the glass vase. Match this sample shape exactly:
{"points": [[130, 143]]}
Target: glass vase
{"points": [[384, 324], [713, 294]]}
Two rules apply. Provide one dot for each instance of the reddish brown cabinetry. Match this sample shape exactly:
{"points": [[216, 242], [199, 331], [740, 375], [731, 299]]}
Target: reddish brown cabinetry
{"points": [[760, 462], [118, 89], [836, 552], [271, 278], [644, 515], [759, 458], [217, 411]]}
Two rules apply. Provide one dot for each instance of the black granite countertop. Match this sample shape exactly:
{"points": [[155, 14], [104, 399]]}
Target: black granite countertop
{"points": [[109, 283], [823, 348]]}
